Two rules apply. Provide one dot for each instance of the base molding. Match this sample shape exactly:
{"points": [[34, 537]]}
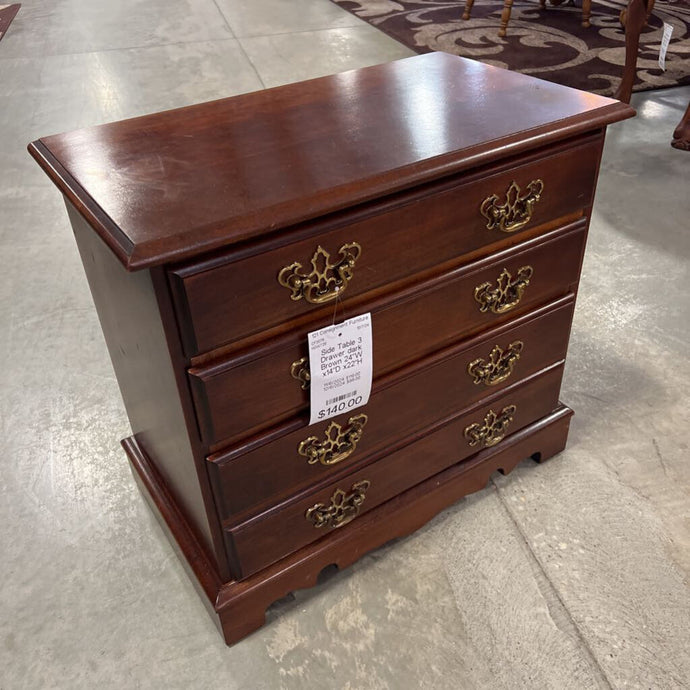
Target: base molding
{"points": [[238, 607]]}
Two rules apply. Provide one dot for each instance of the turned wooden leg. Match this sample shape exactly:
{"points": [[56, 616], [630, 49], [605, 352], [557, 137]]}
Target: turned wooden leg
{"points": [[650, 8], [635, 19], [586, 12], [681, 135], [468, 9], [505, 17]]}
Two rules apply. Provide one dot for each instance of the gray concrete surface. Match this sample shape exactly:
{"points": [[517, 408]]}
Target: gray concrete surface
{"points": [[573, 574]]}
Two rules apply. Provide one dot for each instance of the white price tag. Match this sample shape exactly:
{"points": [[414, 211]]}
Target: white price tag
{"points": [[665, 40], [340, 365]]}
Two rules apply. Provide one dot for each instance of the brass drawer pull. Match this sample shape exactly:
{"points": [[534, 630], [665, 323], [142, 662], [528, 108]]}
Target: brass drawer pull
{"points": [[327, 279], [493, 428], [507, 294], [300, 370], [337, 445], [343, 507], [517, 209], [499, 365]]}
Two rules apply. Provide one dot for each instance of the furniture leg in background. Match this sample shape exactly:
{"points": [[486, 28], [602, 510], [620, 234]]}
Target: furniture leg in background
{"points": [[681, 135], [633, 19], [586, 9], [505, 17], [508, 5]]}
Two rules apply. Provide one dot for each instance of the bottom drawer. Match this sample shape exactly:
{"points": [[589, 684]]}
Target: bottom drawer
{"points": [[274, 534]]}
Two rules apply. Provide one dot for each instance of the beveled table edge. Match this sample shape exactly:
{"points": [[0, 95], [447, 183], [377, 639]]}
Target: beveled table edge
{"points": [[206, 238]]}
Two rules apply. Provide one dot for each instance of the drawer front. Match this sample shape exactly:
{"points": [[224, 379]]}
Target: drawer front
{"points": [[251, 477], [248, 394], [228, 298], [257, 543]]}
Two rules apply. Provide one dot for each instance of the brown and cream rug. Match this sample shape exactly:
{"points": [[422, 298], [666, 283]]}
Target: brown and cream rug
{"points": [[550, 44], [7, 14]]}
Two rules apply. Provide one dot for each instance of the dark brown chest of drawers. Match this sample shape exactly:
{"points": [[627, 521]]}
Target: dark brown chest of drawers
{"points": [[449, 199]]}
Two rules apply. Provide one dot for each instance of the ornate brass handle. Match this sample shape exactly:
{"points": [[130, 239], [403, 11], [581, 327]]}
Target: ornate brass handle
{"points": [[492, 429], [300, 370], [507, 293], [337, 445], [327, 279], [517, 209], [499, 365], [342, 509]]}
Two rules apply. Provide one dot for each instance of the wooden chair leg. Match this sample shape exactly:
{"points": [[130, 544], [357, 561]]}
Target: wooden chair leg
{"points": [[468, 9], [586, 12], [542, 4], [650, 8], [635, 19], [681, 135], [505, 18]]}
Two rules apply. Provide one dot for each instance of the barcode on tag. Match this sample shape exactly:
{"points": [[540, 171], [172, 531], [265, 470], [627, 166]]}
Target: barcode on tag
{"points": [[344, 396], [665, 40], [340, 366]]}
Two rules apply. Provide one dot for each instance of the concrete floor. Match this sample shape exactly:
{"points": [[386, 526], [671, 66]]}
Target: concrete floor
{"points": [[573, 574]]}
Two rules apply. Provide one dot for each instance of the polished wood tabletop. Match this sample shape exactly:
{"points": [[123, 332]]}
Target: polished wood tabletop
{"points": [[237, 168]]}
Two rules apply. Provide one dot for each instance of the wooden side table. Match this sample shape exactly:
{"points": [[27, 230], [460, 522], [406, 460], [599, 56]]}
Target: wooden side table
{"points": [[429, 193]]}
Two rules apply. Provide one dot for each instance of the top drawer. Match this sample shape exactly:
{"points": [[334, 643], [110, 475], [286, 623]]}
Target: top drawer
{"points": [[297, 276]]}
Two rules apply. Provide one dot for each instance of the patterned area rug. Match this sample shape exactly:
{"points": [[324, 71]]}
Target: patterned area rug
{"points": [[550, 44], [7, 14]]}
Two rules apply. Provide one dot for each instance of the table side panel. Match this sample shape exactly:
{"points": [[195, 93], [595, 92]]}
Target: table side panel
{"points": [[129, 314]]}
